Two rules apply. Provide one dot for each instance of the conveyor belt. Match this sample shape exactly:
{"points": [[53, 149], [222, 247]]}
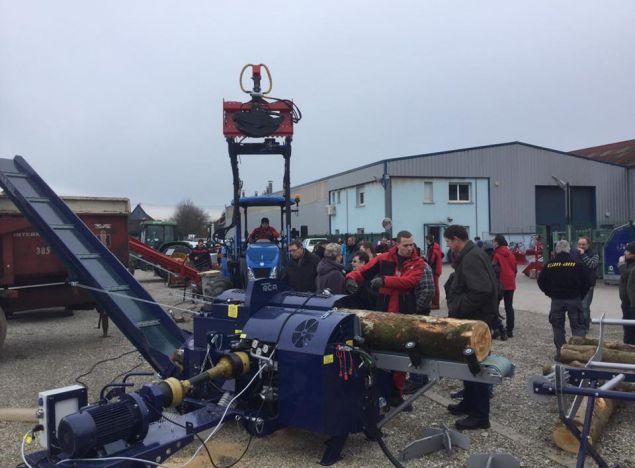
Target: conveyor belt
{"points": [[145, 324]]}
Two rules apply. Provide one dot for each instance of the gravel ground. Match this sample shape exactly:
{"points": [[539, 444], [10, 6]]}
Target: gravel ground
{"points": [[46, 350]]}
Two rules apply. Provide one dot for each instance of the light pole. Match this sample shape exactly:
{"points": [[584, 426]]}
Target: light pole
{"points": [[567, 203]]}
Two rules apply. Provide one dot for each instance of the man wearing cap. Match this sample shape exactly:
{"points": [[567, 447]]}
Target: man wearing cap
{"points": [[264, 231], [566, 282], [627, 290]]}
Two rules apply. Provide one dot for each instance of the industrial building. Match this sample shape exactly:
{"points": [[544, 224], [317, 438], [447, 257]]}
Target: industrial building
{"points": [[503, 188]]}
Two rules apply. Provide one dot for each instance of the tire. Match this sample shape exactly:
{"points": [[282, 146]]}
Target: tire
{"points": [[3, 327]]}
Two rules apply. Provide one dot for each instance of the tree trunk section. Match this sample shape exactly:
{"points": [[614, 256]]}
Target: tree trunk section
{"points": [[436, 337], [583, 353], [602, 412], [583, 340]]}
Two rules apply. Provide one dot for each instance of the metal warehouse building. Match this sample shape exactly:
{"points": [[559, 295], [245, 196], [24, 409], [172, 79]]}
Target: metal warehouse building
{"points": [[507, 188]]}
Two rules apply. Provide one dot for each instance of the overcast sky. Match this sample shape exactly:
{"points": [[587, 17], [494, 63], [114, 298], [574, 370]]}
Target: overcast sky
{"points": [[124, 98]]}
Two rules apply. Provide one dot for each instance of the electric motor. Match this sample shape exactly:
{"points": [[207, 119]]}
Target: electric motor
{"points": [[95, 426]]}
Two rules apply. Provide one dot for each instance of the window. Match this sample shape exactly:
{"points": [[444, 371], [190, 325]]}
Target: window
{"points": [[428, 193], [459, 192], [360, 230], [360, 196], [339, 196]]}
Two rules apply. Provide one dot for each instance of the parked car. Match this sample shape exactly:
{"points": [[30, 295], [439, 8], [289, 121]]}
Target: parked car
{"points": [[310, 242]]}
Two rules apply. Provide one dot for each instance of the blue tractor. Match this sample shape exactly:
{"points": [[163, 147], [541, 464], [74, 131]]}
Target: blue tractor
{"points": [[270, 122], [263, 258]]}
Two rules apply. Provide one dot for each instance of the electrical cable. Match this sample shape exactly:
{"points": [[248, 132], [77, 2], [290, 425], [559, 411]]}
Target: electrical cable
{"points": [[129, 370], [218, 426], [162, 415], [138, 299], [101, 362]]}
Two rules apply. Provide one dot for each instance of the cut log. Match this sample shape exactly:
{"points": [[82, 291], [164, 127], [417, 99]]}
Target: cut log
{"points": [[436, 337], [583, 353], [585, 340], [602, 411]]}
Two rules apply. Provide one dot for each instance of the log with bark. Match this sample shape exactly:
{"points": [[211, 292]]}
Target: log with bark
{"points": [[602, 412], [583, 353], [585, 340], [436, 337]]}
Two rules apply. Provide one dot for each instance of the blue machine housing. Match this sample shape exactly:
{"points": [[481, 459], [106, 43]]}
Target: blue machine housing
{"points": [[305, 330]]}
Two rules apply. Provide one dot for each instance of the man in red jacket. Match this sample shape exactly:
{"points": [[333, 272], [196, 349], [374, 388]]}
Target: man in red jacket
{"points": [[435, 260], [395, 274], [506, 263]]}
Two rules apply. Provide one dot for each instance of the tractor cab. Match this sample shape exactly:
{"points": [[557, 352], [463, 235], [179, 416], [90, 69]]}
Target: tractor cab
{"points": [[263, 256]]}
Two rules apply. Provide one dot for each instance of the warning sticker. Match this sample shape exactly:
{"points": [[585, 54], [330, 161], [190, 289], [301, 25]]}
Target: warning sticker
{"points": [[232, 311], [328, 359]]}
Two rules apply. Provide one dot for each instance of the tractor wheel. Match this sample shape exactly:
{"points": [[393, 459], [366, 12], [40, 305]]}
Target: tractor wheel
{"points": [[3, 327], [216, 287]]}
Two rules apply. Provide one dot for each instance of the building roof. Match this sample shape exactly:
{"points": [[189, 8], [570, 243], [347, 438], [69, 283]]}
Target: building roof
{"points": [[438, 153], [139, 214], [622, 152]]}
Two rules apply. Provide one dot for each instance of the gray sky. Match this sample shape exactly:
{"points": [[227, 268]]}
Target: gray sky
{"points": [[124, 98]]}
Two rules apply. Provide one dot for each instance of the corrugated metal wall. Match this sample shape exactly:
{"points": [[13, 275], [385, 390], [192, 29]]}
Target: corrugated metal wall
{"points": [[631, 193], [514, 170]]}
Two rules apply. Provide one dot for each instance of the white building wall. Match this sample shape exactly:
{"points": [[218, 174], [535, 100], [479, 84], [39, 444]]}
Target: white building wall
{"points": [[349, 216], [411, 212]]}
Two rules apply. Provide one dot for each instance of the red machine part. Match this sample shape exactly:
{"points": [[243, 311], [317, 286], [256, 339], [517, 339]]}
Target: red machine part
{"points": [[26, 260], [284, 108], [164, 261]]}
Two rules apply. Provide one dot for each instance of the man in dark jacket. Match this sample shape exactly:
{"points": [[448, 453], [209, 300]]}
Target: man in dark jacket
{"points": [[471, 293], [200, 256], [395, 274], [330, 271], [627, 290], [590, 259], [301, 269], [566, 282]]}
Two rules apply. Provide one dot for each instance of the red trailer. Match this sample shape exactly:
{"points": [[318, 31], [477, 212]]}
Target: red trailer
{"points": [[27, 263]]}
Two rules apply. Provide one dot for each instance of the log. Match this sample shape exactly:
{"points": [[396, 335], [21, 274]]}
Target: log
{"points": [[436, 337], [583, 353], [585, 340], [602, 412]]}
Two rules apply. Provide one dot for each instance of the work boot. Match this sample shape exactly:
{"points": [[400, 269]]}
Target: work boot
{"points": [[458, 395], [411, 387], [502, 334], [395, 401], [510, 333], [472, 422], [457, 408]]}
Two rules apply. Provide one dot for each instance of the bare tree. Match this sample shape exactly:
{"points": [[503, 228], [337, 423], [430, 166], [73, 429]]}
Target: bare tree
{"points": [[191, 219]]}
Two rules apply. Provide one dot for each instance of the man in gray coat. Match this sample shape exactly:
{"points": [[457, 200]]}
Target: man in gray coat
{"points": [[471, 293]]}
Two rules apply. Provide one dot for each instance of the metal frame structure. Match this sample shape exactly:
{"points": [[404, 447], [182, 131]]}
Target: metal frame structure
{"points": [[597, 379]]}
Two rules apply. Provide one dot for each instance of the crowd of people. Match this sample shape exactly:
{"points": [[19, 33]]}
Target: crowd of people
{"points": [[395, 276]]}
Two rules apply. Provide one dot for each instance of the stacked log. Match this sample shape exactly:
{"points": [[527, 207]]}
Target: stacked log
{"points": [[576, 354], [436, 337], [602, 412]]}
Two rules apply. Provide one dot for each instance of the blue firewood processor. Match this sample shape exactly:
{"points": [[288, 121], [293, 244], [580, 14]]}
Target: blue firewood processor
{"points": [[264, 355]]}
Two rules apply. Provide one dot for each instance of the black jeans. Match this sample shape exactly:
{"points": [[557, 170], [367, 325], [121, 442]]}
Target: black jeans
{"points": [[629, 331], [476, 397], [508, 299]]}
